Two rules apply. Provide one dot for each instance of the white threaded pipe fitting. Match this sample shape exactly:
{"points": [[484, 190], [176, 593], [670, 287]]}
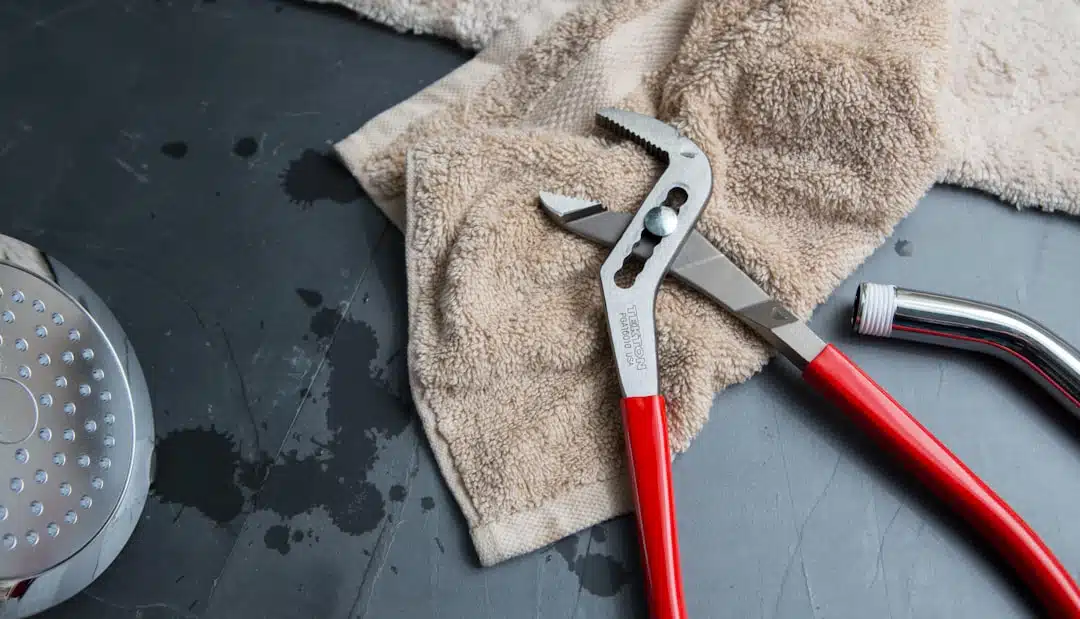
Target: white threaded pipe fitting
{"points": [[875, 308]]}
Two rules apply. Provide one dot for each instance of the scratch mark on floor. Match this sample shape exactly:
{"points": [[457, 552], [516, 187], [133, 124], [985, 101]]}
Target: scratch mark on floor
{"points": [[243, 394], [379, 568], [346, 306], [940, 379], [138, 608], [879, 560], [384, 554], [820, 497], [797, 551], [488, 611], [142, 178], [68, 10], [809, 591], [784, 462]]}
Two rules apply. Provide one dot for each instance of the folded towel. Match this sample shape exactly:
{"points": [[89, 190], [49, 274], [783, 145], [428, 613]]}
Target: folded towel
{"points": [[821, 121], [1010, 106], [472, 23]]}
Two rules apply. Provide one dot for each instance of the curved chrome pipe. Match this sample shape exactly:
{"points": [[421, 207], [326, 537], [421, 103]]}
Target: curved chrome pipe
{"points": [[888, 311]]}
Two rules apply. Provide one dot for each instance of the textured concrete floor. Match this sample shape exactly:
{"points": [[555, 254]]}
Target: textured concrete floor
{"points": [[174, 154]]}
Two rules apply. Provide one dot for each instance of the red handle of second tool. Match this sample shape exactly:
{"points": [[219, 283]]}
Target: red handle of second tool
{"points": [[645, 428], [836, 376]]}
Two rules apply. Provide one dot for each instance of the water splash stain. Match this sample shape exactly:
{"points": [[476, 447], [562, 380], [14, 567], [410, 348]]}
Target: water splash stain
{"points": [[176, 150], [397, 493], [427, 504], [277, 538], [202, 468], [363, 408], [598, 574], [904, 248], [318, 176], [245, 147], [311, 298], [324, 322]]}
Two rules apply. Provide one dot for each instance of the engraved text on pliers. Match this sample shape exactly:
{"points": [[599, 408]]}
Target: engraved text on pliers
{"points": [[630, 329]]}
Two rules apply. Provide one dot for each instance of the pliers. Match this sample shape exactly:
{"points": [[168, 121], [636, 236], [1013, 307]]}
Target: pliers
{"points": [[661, 233]]}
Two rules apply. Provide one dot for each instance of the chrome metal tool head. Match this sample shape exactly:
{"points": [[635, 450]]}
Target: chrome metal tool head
{"points": [[662, 223]]}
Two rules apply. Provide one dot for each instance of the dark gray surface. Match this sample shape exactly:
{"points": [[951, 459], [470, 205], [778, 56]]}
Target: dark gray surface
{"points": [[265, 297]]}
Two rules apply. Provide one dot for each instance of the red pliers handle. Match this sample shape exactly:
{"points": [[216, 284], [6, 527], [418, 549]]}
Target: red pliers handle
{"points": [[645, 429], [941, 472]]}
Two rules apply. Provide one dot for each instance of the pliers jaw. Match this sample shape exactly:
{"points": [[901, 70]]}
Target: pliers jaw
{"points": [[663, 221]]}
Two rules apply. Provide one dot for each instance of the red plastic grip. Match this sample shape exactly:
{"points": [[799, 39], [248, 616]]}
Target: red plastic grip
{"points": [[645, 427], [895, 430]]}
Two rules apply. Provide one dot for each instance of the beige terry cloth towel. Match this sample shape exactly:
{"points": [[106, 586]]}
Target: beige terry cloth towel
{"points": [[1010, 107], [472, 23], [820, 119]]}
